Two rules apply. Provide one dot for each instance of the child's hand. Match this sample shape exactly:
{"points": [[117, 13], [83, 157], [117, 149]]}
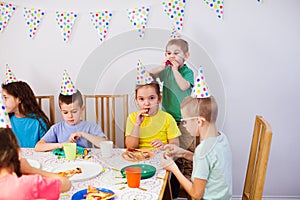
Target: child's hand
{"points": [[139, 117], [173, 150], [74, 136], [157, 144], [174, 64], [167, 163]]}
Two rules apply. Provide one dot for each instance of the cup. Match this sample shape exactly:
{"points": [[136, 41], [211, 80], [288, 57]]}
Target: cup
{"points": [[70, 151], [106, 148], [133, 176]]}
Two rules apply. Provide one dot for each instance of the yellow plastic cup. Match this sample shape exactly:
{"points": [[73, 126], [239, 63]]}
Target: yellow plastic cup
{"points": [[70, 151]]}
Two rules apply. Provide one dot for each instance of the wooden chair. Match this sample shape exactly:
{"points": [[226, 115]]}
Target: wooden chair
{"points": [[50, 106], [258, 160], [108, 111]]}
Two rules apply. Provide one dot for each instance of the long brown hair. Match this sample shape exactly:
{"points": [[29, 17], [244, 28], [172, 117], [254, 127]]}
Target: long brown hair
{"points": [[28, 105], [9, 151]]}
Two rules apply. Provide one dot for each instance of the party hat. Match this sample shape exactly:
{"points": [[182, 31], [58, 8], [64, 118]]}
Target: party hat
{"points": [[200, 90], [142, 76], [9, 76], [4, 118], [67, 87]]}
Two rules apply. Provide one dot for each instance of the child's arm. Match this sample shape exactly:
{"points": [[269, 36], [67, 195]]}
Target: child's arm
{"points": [[158, 69], [26, 168], [133, 140], [42, 146], [181, 82], [176, 151], [92, 138]]}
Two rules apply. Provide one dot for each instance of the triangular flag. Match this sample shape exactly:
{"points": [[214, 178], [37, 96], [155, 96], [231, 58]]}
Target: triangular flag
{"points": [[259, 1], [4, 118], [142, 76], [6, 11], [65, 21], [138, 18], [200, 90], [175, 10], [175, 34], [217, 6], [100, 21], [33, 19], [67, 86], [9, 76]]}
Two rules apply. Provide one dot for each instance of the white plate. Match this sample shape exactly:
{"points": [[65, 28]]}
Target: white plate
{"points": [[89, 169], [34, 163]]}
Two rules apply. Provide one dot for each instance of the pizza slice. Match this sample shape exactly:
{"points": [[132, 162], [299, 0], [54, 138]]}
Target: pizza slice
{"points": [[95, 194], [71, 172]]}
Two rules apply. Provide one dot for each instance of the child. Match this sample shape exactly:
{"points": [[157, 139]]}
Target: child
{"points": [[18, 180], [28, 121], [72, 129], [149, 127], [212, 160]]}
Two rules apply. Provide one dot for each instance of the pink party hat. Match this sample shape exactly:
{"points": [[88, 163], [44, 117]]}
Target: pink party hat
{"points": [[200, 90], [4, 118], [142, 75], [67, 87], [9, 76]]}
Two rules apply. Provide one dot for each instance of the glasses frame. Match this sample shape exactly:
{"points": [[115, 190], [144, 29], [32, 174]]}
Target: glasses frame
{"points": [[184, 120]]}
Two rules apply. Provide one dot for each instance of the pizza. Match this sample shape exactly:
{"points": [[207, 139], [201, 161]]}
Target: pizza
{"points": [[136, 155], [95, 194], [71, 172]]}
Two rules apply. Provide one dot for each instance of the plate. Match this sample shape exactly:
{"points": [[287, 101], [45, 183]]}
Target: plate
{"points": [[147, 170], [81, 194], [136, 155], [34, 163], [89, 169], [61, 152]]}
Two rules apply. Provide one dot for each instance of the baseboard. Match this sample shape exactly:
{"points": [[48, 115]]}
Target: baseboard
{"points": [[236, 197]]}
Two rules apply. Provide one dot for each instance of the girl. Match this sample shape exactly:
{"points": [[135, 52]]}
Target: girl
{"points": [[28, 121], [36, 184], [150, 127]]}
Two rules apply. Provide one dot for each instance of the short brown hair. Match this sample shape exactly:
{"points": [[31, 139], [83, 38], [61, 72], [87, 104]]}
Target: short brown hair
{"points": [[153, 84], [68, 99], [184, 46], [204, 107]]}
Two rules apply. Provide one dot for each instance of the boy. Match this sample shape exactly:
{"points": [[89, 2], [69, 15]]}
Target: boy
{"points": [[212, 160], [178, 81], [72, 129]]}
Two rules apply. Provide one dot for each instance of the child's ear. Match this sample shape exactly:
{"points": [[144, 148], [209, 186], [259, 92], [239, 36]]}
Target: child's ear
{"points": [[201, 120], [82, 108], [186, 55]]}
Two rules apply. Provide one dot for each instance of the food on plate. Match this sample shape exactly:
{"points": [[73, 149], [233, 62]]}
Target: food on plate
{"points": [[70, 172], [95, 194], [135, 155]]}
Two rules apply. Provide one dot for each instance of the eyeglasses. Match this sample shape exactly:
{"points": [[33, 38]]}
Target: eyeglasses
{"points": [[187, 119]]}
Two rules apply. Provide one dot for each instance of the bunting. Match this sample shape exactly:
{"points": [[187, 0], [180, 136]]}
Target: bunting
{"points": [[33, 19], [138, 18], [6, 11], [65, 21], [101, 20], [216, 6], [175, 10]]}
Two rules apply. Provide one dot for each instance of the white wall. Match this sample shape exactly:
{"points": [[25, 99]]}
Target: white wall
{"points": [[252, 51]]}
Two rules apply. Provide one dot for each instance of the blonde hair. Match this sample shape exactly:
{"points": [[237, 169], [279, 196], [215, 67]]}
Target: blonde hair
{"points": [[184, 46], [204, 107]]}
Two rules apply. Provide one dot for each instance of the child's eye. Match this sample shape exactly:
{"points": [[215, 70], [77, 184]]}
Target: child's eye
{"points": [[74, 111], [152, 97], [141, 99], [65, 113]]}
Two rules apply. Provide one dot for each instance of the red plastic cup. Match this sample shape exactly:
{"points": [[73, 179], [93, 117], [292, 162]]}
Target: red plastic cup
{"points": [[133, 176]]}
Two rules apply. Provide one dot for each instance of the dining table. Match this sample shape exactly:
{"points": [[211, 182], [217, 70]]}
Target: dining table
{"points": [[103, 172]]}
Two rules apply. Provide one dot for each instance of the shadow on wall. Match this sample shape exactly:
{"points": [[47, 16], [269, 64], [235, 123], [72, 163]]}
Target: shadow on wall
{"points": [[111, 67]]}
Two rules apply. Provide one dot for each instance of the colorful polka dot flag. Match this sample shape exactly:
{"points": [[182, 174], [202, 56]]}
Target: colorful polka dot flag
{"points": [[175, 10], [4, 118], [138, 18], [9, 76], [33, 19], [175, 34], [200, 90], [217, 6], [67, 87], [101, 21], [65, 22], [142, 75], [259, 1], [6, 11]]}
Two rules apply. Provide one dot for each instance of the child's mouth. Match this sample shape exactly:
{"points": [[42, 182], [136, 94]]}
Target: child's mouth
{"points": [[146, 113]]}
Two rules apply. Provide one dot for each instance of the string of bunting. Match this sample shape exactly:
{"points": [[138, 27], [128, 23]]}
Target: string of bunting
{"points": [[174, 9]]}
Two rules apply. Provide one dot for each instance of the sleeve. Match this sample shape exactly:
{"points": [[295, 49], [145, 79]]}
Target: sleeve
{"points": [[50, 136], [48, 187], [130, 124], [97, 131], [201, 168], [161, 75], [172, 130], [42, 128]]}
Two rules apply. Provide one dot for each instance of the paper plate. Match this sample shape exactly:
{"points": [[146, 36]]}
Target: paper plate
{"points": [[89, 169], [137, 155], [147, 170], [61, 152], [34, 163], [81, 194]]}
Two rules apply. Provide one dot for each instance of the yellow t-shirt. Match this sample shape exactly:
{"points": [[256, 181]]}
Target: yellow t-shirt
{"points": [[161, 127]]}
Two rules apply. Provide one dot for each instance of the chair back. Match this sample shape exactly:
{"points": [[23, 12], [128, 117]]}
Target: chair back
{"points": [[258, 160], [46, 103], [110, 113]]}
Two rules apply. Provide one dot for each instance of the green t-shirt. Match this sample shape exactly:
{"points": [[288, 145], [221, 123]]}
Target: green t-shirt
{"points": [[172, 95]]}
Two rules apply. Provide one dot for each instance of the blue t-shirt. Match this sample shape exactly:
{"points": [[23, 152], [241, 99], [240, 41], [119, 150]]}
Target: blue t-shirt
{"points": [[212, 162], [61, 131], [28, 130]]}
